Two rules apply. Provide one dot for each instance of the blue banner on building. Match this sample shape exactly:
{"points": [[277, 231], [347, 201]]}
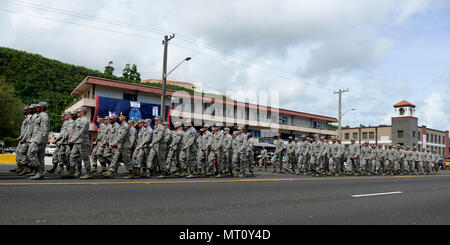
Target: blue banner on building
{"points": [[135, 110]]}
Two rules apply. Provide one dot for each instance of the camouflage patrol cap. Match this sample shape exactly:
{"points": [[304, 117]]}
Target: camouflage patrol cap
{"points": [[202, 130], [32, 106], [107, 118], [316, 135], [303, 136], [141, 121], [219, 124], [248, 134], [226, 129], [157, 118], [235, 132], [42, 104], [73, 112], [63, 114], [165, 123], [240, 128], [205, 126], [113, 117], [213, 128], [177, 124]]}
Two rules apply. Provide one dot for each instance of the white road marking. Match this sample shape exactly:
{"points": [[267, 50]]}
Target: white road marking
{"points": [[378, 194]]}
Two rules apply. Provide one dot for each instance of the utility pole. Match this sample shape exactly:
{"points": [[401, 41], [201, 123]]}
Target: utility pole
{"points": [[340, 110], [165, 42]]}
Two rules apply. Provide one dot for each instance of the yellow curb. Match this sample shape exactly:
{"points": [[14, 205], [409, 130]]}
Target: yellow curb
{"points": [[209, 181], [7, 158]]}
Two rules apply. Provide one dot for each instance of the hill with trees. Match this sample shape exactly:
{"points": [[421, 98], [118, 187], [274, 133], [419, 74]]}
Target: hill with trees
{"points": [[27, 78]]}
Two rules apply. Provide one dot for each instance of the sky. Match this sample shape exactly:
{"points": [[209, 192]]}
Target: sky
{"points": [[382, 51]]}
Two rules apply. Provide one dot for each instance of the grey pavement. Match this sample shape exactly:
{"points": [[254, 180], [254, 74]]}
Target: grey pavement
{"points": [[264, 199]]}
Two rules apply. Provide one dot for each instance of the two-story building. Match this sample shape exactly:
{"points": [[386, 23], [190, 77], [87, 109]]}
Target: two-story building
{"points": [[257, 119]]}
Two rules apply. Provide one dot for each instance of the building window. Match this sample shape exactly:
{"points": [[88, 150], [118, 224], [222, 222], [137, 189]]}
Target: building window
{"points": [[402, 111], [418, 135], [400, 134], [414, 134], [347, 136], [355, 135], [130, 97], [439, 141], [428, 136], [364, 135], [439, 150], [371, 135], [419, 147]]}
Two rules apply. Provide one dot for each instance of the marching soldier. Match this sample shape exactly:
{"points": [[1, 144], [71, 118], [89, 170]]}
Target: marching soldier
{"points": [[100, 134], [175, 148], [353, 155], [155, 158], [187, 154], [366, 159], [279, 146], [290, 155], [103, 148], [26, 142], [216, 153], [315, 156], [239, 154], [121, 148], [57, 142], [227, 150], [19, 154], [39, 139], [80, 142], [250, 154], [416, 161]]}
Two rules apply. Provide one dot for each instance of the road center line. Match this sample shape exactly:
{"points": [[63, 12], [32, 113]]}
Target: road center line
{"points": [[378, 194]]}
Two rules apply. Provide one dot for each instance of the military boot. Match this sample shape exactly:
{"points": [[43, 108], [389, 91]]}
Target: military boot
{"points": [[109, 175], [102, 170], [32, 173], [39, 175], [88, 175], [53, 169], [23, 171], [15, 170], [77, 173], [94, 168], [132, 174]]}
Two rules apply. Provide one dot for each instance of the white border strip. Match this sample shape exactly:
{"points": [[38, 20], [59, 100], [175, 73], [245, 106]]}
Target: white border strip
{"points": [[377, 194]]}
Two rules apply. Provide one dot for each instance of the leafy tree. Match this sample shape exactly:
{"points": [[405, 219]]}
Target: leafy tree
{"points": [[126, 72], [109, 69], [135, 75], [11, 109]]}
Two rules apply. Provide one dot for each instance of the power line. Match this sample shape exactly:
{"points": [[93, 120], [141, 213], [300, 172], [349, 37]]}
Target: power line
{"points": [[143, 28]]}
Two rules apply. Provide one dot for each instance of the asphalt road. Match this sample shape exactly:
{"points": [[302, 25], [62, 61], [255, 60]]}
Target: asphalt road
{"points": [[265, 199]]}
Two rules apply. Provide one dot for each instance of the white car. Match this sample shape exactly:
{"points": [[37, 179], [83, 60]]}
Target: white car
{"points": [[50, 149]]}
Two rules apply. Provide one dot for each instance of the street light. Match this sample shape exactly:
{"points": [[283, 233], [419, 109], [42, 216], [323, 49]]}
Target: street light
{"points": [[163, 94], [340, 120]]}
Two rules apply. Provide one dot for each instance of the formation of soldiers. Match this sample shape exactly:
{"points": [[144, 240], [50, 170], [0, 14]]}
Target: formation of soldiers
{"points": [[318, 157], [186, 152]]}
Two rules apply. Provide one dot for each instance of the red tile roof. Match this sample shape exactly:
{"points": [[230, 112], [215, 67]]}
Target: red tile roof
{"points": [[154, 90], [404, 103]]}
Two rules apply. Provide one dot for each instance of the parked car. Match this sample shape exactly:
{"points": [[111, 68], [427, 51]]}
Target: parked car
{"points": [[10, 149], [50, 149]]}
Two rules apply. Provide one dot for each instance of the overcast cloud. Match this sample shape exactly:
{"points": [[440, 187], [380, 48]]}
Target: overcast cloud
{"points": [[383, 51]]}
